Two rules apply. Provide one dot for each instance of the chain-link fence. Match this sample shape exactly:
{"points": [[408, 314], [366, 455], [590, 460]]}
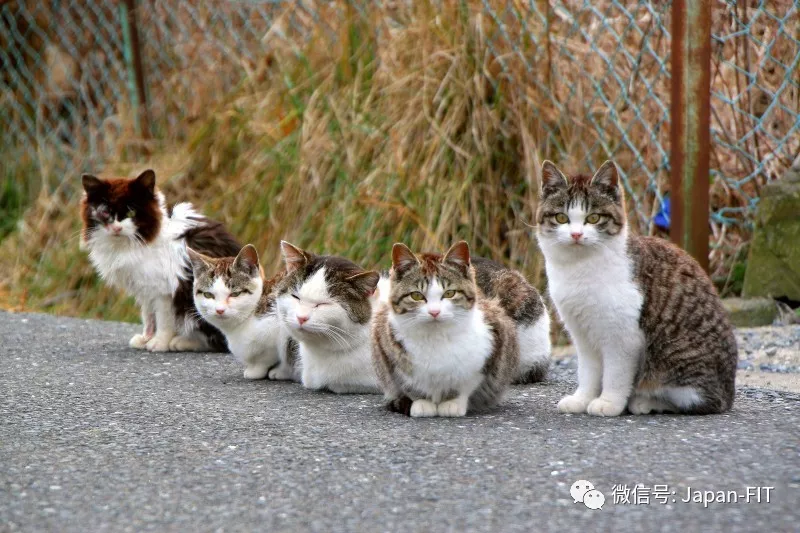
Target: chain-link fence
{"points": [[596, 75]]}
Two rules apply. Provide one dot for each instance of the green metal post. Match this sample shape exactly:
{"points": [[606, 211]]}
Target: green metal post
{"points": [[133, 62]]}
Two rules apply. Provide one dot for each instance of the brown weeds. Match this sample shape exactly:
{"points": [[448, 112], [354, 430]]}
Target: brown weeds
{"points": [[400, 121]]}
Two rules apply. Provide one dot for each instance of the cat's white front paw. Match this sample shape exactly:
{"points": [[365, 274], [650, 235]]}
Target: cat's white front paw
{"points": [[605, 407], [158, 344], [454, 407], [573, 404], [139, 341], [255, 371], [282, 372], [423, 408], [186, 344]]}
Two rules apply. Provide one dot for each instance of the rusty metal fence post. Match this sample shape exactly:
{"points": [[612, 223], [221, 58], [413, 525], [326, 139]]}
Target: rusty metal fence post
{"points": [[690, 133]]}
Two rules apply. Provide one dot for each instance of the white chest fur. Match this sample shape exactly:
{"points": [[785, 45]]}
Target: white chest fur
{"points": [[595, 294], [340, 371], [446, 357], [255, 341], [142, 271]]}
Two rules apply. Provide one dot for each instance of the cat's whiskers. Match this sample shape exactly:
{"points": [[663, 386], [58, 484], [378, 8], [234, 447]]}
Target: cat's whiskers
{"points": [[341, 331], [76, 235], [328, 334], [332, 334]]}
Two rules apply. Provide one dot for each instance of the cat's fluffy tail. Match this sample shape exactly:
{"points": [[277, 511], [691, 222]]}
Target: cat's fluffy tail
{"points": [[184, 217]]}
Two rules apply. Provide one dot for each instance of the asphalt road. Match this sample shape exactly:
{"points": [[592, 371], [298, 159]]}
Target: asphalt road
{"points": [[98, 437]]}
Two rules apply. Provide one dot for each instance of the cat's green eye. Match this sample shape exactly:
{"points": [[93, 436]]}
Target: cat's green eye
{"points": [[562, 218], [449, 294], [235, 294], [209, 295], [131, 213], [417, 296], [594, 218]]}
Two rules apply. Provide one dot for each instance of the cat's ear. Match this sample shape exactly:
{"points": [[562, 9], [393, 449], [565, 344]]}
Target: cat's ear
{"points": [[91, 184], [293, 256], [247, 260], [200, 262], [147, 181], [365, 282], [402, 257], [553, 180], [607, 176], [458, 255]]}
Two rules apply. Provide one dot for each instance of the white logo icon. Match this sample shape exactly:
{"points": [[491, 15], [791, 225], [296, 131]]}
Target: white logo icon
{"points": [[584, 492], [594, 499], [579, 489]]}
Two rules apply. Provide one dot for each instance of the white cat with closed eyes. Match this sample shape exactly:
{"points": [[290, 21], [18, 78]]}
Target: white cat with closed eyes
{"points": [[326, 305]]}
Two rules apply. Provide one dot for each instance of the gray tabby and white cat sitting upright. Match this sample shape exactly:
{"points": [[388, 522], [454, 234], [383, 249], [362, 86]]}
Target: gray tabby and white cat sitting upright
{"points": [[232, 294], [326, 304], [648, 325], [138, 244]]}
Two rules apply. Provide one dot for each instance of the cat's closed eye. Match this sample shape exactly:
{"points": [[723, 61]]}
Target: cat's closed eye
{"points": [[322, 303], [296, 297]]}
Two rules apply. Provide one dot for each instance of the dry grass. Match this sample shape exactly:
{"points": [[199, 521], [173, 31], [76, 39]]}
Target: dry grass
{"points": [[379, 124]]}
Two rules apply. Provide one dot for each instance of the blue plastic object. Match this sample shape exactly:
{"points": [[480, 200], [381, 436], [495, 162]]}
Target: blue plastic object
{"points": [[661, 220]]}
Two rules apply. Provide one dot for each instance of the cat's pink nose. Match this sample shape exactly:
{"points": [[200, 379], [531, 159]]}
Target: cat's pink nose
{"points": [[576, 236], [302, 319], [220, 311], [434, 312], [116, 229]]}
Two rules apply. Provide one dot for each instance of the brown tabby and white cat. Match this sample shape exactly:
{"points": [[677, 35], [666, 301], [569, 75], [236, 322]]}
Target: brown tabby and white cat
{"points": [[649, 327], [440, 346], [137, 244]]}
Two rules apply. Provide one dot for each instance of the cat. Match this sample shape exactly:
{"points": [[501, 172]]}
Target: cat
{"points": [[232, 294], [648, 325], [137, 244], [440, 347], [326, 304], [523, 303]]}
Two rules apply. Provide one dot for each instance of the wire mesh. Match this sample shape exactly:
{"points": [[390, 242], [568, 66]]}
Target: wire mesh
{"points": [[595, 75]]}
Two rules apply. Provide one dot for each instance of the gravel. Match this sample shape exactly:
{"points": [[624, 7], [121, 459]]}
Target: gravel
{"points": [[97, 437], [770, 356]]}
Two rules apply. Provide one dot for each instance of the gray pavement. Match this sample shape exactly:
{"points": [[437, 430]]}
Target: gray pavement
{"points": [[98, 437]]}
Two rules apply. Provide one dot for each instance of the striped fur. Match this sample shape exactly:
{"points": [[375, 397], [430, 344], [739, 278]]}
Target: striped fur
{"points": [[649, 327]]}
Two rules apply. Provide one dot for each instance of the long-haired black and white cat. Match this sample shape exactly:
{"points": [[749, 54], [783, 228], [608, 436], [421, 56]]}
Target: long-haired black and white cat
{"points": [[137, 244]]}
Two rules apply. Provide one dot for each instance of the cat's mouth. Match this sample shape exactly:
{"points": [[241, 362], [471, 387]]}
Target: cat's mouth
{"points": [[115, 233]]}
